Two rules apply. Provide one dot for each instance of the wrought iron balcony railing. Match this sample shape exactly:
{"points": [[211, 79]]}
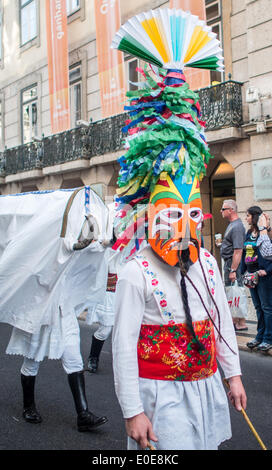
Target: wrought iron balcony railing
{"points": [[221, 106]]}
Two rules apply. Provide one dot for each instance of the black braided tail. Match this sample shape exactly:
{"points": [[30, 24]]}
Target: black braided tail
{"points": [[218, 329], [184, 263], [189, 321], [184, 267]]}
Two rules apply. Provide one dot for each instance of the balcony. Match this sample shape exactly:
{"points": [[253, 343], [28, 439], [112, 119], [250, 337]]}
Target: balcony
{"points": [[221, 105], [221, 108]]}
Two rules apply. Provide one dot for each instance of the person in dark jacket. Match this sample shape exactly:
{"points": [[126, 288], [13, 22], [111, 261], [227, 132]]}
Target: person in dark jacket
{"points": [[259, 269]]}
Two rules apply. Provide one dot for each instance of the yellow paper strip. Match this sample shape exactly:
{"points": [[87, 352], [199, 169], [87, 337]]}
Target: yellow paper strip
{"points": [[164, 38], [151, 29], [198, 40]]}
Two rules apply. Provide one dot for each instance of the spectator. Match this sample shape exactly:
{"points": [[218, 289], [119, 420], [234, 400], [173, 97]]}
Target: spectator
{"points": [[264, 240], [259, 270], [231, 251]]}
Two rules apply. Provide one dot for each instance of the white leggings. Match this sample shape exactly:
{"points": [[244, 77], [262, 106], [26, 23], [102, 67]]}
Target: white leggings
{"points": [[71, 362], [103, 332], [71, 356]]}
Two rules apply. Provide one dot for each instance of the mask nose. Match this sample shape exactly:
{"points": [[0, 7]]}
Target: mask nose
{"points": [[185, 232]]}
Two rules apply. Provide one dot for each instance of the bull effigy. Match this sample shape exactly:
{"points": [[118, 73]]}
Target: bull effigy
{"points": [[52, 267]]}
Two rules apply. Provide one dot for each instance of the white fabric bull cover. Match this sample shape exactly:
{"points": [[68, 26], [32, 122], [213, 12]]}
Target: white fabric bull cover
{"points": [[40, 274]]}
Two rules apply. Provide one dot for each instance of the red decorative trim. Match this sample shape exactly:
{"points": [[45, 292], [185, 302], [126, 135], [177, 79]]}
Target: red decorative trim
{"points": [[163, 183], [176, 75], [111, 284]]}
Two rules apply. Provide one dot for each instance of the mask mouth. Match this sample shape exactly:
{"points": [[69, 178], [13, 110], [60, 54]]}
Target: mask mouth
{"points": [[183, 244], [184, 261], [184, 256]]}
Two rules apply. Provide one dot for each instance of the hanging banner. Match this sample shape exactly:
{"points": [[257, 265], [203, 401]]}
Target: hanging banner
{"points": [[58, 64], [195, 78], [110, 61]]}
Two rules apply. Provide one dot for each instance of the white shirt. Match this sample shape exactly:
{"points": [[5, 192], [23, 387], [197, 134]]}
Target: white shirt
{"points": [[135, 305], [265, 245]]}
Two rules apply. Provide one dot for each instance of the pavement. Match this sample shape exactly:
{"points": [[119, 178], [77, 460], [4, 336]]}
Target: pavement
{"points": [[55, 403], [244, 337]]}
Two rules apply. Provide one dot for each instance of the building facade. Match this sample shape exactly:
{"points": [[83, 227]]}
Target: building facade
{"points": [[237, 106]]}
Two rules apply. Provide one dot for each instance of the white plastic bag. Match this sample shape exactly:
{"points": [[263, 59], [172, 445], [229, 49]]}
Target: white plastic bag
{"points": [[237, 300]]}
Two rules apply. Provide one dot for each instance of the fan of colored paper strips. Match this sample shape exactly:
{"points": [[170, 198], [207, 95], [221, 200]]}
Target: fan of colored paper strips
{"points": [[170, 39]]}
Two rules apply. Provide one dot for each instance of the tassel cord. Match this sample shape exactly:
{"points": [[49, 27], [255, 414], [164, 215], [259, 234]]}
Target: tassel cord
{"points": [[208, 313]]}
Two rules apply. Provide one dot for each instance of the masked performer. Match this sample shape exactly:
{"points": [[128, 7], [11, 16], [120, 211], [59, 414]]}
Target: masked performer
{"points": [[172, 318]]}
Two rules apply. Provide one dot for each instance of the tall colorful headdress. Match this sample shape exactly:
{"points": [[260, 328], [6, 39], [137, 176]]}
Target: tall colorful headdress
{"points": [[166, 151]]}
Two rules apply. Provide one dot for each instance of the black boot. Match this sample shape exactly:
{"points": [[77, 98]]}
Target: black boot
{"points": [[93, 359], [30, 413], [86, 421]]}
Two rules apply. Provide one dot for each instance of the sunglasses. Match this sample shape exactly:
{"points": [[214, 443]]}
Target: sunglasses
{"points": [[225, 209]]}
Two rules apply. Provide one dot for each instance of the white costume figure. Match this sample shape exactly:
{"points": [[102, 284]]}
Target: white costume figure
{"points": [[103, 313], [172, 318], [49, 273]]}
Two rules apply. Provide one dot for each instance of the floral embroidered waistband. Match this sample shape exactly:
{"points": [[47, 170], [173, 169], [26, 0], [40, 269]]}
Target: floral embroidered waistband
{"points": [[169, 352]]}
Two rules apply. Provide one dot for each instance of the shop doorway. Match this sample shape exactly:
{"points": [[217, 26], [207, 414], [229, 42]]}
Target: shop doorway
{"points": [[222, 187]]}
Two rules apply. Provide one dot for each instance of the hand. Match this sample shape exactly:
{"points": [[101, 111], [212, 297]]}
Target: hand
{"points": [[81, 244], [262, 222], [267, 223], [232, 277], [267, 219], [262, 272], [140, 429], [105, 243], [237, 394]]}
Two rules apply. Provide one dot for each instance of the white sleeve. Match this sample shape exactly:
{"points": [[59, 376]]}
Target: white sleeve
{"points": [[228, 360], [129, 311], [265, 245]]}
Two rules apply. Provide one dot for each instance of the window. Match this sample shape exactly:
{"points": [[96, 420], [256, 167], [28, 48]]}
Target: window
{"points": [[212, 10], [29, 113], [1, 126], [72, 6], [132, 74], [213, 18], [28, 20], [0, 30], [75, 82], [216, 28]]}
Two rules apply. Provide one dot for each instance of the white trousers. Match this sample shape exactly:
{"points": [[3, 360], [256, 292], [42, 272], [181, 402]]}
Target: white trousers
{"points": [[103, 332], [69, 352], [71, 362]]}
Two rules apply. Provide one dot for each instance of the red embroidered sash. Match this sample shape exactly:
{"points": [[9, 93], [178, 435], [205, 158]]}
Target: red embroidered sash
{"points": [[111, 283], [168, 352]]}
